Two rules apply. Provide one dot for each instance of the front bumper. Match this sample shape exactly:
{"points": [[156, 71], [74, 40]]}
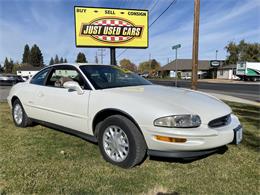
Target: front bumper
{"points": [[182, 154], [199, 139]]}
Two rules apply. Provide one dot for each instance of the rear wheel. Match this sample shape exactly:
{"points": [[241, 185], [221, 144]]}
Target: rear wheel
{"points": [[20, 118], [120, 142]]}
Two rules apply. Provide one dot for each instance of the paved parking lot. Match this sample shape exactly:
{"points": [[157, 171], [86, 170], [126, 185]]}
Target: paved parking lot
{"points": [[4, 91]]}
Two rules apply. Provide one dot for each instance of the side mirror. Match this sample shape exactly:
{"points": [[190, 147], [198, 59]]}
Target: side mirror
{"points": [[73, 85]]}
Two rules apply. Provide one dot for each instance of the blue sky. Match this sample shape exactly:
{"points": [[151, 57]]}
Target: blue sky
{"points": [[50, 24]]}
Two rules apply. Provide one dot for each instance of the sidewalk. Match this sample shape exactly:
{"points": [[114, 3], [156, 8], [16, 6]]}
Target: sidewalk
{"points": [[234, 99], [227, 81]]}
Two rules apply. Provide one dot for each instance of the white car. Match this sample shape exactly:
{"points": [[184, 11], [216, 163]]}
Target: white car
{"points": [[127, 115]]}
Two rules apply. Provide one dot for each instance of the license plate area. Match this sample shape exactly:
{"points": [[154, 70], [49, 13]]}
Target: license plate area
{"points": [[238, 135]]}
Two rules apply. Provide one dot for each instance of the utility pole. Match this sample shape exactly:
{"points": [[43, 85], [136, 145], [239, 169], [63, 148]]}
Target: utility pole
{"points": [[96, 58], [216, 54], [101, 54], [195, 44]]}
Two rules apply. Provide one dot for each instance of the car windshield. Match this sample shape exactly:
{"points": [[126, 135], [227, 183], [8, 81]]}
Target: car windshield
{"points": [[104, 76]]}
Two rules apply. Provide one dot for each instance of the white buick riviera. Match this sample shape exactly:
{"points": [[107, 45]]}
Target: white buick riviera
{"points": [[125, 114]]}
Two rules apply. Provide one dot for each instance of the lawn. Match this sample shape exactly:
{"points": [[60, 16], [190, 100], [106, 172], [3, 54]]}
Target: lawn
{"points": [[45, 161]]}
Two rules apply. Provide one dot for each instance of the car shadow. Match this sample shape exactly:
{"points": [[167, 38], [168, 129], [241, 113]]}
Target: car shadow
{"points": [[220, 151]]}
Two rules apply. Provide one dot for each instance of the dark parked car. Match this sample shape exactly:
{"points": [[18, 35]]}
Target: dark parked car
{"points": [[10, 79]]}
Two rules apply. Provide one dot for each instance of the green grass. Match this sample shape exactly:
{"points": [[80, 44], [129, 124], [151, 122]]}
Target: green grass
{"points": [[31, 162]]}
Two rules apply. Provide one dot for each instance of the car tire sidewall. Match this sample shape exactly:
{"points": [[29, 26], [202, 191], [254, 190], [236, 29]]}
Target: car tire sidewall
{"points": [[127, 127], [25, 119]]}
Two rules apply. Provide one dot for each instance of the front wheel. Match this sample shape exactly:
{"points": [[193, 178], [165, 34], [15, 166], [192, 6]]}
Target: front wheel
{"points": [[120, 142], [19, 116]]}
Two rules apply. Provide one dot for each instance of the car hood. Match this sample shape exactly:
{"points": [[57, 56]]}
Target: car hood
{"points": [[176, 100]]}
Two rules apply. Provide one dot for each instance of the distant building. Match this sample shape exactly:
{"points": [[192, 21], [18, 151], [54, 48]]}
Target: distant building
{"points": [[184, 67], [27, 71], [227, 72]]}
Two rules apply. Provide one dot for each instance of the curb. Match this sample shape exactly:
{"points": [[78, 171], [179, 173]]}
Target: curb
{"points": [[234, 99]]}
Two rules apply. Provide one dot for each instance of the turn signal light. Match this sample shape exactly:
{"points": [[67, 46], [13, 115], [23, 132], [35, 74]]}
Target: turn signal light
{"points": [[170, 139]]}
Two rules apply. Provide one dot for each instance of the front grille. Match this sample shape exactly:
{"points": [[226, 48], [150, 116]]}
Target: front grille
{"points": [[219, 122]]}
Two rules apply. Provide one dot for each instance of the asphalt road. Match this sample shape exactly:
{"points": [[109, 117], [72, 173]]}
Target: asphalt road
{"points": [[245, 90]]}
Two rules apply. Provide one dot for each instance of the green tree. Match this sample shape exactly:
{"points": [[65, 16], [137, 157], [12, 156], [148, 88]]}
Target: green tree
{"points": [[233, 53], [8, 66], [127, 64], [56, 60], [1, 68], [81, 58], [51, 61], [242, 52], [65, 60], [149, 66], [26, 54], [61, 60], [36, 58]]}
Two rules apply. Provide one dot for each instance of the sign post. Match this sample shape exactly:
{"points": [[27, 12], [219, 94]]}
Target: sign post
{"points": [[111, 28], [113, 56], [176, 47]]}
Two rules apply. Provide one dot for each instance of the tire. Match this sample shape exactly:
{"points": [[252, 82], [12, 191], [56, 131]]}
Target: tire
{"points": [[20, 118], [129, 149]]}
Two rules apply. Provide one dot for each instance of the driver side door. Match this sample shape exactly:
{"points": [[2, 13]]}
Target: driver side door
{"points": [[62, 106]]}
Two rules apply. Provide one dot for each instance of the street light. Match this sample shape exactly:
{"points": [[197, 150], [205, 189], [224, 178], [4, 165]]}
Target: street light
{"points": [[176, 47]]}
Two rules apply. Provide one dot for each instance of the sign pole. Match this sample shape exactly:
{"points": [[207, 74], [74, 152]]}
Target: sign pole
{"points": [[176, 75], [176, 47], [195, 45], [112, 55]]}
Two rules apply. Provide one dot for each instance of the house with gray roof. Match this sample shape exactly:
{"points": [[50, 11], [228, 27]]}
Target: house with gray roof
{"points": [[184, 67]]}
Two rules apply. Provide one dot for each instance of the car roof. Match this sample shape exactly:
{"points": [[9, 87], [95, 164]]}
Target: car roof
{"points": [[80, 64]]}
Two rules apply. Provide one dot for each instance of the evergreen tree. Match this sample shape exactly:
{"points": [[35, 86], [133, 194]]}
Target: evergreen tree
{"points": [[36, 58], [1, 68], [8, 65], [81, 58], [65, 60], [56, 60], [51, 61], [61, 60], [26, 54]]}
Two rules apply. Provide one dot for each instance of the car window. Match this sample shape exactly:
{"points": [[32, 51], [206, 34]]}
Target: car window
{"points": [[59, 76], [103, 76], [39, 78]]}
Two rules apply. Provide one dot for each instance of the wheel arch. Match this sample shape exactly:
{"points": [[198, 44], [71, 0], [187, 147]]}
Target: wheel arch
{"points": [[13, 99], [103, 114]]}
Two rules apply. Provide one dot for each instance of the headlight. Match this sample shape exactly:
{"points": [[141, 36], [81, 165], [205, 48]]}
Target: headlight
{"points": [[179, 121]]}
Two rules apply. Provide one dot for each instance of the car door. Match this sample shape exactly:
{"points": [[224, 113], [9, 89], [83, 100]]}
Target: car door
{"points": [[62, 106]]}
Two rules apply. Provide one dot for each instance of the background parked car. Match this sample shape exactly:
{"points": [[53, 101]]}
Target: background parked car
{"points": [[10, 79]]}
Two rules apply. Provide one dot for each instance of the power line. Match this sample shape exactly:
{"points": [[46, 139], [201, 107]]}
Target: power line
{"points": [[154, 5], [173, 2]]}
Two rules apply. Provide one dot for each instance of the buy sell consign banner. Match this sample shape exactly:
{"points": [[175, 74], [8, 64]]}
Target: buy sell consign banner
{"points": [[106, 27]]}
